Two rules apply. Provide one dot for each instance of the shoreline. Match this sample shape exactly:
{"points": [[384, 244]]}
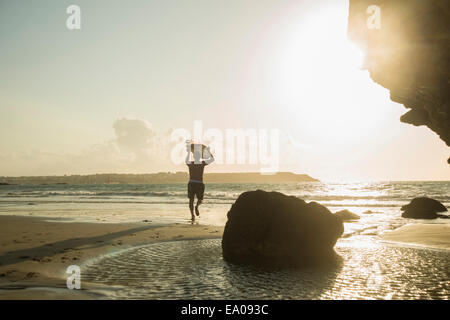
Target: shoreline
{"points": [[421, 235], [35, 253]]}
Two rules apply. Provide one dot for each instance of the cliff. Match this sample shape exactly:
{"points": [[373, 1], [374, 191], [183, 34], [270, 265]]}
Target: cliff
{"points": [[409, 55]]}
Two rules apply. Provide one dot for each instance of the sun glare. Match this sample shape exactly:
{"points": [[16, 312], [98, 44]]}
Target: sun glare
{"points": [[321, 80]]}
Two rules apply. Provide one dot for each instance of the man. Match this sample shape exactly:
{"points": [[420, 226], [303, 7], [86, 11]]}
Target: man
{"points": [[196, 187]]}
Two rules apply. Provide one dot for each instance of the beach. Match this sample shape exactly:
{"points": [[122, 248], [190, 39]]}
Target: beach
{"points": [[35, 253], [426, 235], [137, 242], [203, 150]]}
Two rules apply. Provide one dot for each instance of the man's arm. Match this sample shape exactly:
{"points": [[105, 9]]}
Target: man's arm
{"points": [[211, 157], [188, 158]]}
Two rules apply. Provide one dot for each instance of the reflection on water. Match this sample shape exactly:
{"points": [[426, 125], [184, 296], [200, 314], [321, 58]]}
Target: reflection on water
{"points": [[194, 269], [168, 203]]}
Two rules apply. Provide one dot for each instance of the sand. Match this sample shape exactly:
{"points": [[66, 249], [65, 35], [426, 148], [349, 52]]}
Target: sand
{"points": [[429, 235], [35, 253]]}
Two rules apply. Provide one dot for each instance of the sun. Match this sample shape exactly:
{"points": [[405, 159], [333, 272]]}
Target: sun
{"points": [[320, 79]]}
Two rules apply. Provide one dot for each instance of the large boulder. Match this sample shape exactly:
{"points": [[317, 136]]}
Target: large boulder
{"points": [[272, 229], [346, 215], [423, 208]]}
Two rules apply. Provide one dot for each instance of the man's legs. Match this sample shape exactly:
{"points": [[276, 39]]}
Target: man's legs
{"points": [[191, 196], [191, 207], [199, 192], [199, 202]]}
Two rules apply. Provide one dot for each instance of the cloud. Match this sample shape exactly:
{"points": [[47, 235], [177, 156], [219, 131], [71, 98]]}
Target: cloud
{"points": [[134, 135], [143, 146], [135, 148]]}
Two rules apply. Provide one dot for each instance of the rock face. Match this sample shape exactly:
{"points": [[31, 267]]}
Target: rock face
{"points": [[409, 55], [272, 229], [423, 208], [346, 215]]}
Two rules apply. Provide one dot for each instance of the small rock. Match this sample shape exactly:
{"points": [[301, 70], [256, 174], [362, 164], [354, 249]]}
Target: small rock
{"points": [[419, 214], [30, 275], [346, 215], [423, 208]]}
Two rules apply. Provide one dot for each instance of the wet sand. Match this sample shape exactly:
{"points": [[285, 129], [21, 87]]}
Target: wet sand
{"points": [[195, 269], [35, 253], [428, 235]]}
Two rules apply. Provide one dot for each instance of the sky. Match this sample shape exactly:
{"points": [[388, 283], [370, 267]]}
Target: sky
{"points": [[107, 98]]}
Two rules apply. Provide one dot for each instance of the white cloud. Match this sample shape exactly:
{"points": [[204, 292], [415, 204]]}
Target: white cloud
{"points": [[136, 148], [134, 135]]}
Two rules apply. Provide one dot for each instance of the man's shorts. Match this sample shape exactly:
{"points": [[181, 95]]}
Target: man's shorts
{"points": [[196, 189]]}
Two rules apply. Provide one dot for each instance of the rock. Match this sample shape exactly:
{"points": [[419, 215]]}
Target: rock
{"points": [[423, 208], [425, 203], [272, 229], [30, 275], [419, 214], [346, 215], [409, 55]]}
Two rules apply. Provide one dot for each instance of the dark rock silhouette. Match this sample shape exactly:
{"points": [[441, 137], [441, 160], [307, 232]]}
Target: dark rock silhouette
{"points": [[420, 214], [272, 229], [409, 54], [423, 208], [425, 203], [346, 215]]}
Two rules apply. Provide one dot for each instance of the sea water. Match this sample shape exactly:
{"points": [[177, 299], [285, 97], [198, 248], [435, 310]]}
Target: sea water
{"points": [[194, 269], [378, 203]]}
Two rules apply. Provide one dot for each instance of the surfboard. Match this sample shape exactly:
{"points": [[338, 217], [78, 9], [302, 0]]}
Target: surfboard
{"points": [[200, 147]]}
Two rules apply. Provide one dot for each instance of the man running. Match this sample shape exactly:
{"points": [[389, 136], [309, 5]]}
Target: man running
{"points": [[196, 187]]}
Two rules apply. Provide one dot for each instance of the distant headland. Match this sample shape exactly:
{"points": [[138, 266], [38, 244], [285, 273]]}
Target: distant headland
{"points": [[159, 178]]}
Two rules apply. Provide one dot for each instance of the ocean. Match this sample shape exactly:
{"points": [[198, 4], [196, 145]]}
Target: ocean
{"points": [[378, 203]]}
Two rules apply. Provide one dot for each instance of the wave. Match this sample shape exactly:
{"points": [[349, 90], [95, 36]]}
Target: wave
{"points": [[182, 201], [93, 194], [212, 195], [342, 195]]}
